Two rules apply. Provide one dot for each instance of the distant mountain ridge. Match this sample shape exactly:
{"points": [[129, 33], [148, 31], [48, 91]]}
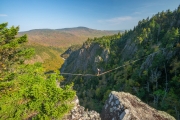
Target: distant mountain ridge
{"points": [[64, 37]]}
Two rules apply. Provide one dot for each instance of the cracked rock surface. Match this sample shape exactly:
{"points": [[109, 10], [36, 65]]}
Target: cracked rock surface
{"points": [[124, 106]]}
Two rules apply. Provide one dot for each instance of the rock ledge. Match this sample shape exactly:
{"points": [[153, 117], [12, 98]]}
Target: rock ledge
{"points": [[124, 106]]}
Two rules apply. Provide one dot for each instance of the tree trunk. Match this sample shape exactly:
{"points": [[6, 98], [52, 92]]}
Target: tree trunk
{"points": [[166, 77], [177, 113]]}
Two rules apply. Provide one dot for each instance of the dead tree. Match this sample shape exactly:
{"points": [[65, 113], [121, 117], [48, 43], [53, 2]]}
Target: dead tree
{"points": [[177, 113], [166, 84], [155, 74]]}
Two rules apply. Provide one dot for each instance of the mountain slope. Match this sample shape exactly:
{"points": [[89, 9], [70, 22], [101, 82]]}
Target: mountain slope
{"points": [[149, 60], [47, 55], [64, 37]]}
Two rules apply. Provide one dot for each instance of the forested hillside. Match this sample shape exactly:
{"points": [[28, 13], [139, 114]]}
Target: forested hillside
{"points": [[25, 92], [147, 59]]}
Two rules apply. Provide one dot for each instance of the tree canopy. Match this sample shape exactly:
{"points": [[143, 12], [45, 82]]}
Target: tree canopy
{"points": [[25, 91]]}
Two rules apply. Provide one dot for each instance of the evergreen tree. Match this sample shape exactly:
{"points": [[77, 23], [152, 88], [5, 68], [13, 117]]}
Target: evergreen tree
{"points": [[25, 92]]}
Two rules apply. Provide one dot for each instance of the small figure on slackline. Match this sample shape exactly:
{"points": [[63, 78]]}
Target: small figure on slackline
{"points": [[99, 71]]}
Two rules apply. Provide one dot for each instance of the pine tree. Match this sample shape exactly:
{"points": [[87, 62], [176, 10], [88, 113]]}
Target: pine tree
{"points": [[25, 92]]}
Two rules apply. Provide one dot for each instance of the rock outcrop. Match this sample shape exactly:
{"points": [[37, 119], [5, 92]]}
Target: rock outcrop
{"points": [[124, 106], [119, 106], [79, 113], [84, 58], [71, 49]]}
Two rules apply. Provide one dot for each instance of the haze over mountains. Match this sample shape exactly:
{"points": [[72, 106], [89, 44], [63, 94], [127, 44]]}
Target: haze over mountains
{"points": [[64, 37]]}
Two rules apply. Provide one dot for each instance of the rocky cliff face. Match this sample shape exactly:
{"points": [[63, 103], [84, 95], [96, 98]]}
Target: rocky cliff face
{"points": [[85, 58], [71, 49], [124, 106]]}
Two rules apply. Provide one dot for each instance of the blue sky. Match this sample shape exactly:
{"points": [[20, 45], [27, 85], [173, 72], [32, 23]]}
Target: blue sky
{"points": [[96, 14]]}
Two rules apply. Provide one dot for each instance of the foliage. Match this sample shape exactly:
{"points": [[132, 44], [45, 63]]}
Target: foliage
{"points": [[25, 92], [10, 51]]}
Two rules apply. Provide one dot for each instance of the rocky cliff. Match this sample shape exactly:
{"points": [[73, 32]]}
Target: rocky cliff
{"points": [[86, 58], [124, 106]]}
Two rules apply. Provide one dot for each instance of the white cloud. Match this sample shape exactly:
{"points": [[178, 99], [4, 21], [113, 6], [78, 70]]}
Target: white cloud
{"points": [[137, 13], [116, 20], [3, 15]]}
